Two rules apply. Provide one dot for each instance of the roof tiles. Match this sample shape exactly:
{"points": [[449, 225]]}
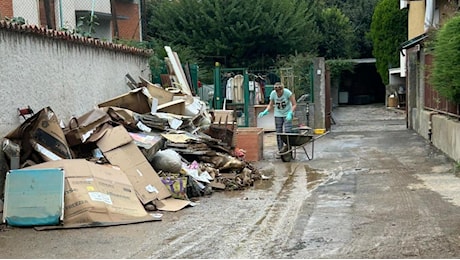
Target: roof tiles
{"points": [[65, 36]]}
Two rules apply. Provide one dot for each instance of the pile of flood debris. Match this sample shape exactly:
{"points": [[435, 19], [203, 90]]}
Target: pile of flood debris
{"points": [[148, 149]]}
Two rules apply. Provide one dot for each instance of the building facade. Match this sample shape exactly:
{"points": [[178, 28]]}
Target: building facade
{"points": [[102, 19]]}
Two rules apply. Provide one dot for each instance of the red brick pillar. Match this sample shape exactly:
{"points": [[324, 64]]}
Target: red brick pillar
{"points": [[6, 9]]}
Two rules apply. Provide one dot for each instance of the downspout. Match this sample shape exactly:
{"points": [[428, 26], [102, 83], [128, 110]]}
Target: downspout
{"points": [[429, 14], [61, 24], [143, 20]]}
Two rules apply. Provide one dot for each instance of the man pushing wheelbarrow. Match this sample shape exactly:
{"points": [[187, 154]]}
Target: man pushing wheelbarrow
{"points": [[284, 104]]}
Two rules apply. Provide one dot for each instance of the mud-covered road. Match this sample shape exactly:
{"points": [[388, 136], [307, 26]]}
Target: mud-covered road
{"points": [[373, 190]]}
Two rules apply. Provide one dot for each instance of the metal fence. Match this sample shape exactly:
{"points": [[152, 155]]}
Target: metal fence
{"points": [[41, 13], [435, 102], [57, 14]]}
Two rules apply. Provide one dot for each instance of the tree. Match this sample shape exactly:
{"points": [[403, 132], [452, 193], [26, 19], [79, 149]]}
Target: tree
{"points": [[245, 33], [388, 31], [300, 66], [445, 77], [337, 37], [360, 14]]}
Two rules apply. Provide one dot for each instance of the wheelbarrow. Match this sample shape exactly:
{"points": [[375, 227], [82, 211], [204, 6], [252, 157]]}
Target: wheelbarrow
{"points": [[294, 141]]}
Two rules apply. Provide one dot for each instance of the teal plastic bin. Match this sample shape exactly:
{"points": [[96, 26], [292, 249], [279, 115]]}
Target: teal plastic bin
{"points": [[34, 197]]}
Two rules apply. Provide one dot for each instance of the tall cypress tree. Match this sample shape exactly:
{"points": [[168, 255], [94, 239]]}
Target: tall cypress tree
{"points": [[388, 31]]}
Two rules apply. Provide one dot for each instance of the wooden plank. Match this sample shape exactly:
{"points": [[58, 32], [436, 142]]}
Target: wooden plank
{"points": [[166, 80], [178, 71], [145, 82], [132, 84]]}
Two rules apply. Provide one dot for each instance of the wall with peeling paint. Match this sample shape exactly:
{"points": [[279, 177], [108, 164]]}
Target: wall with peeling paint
{"points": [[40, 68]]}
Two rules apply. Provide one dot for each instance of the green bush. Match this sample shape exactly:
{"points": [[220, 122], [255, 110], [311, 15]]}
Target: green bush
{"points": [[445, 76], [388, 31]]}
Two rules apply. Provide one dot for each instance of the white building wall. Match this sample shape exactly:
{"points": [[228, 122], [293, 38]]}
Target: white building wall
{"points": [[71, 78]]}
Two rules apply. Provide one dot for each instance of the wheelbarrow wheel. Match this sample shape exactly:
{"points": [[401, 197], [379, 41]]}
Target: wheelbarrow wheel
{"points": [[287, 157]]}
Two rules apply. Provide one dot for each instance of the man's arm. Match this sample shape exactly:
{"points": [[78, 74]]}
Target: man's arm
{"points": [[293, 102]]}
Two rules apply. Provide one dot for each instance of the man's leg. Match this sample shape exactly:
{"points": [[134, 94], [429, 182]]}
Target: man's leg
{"points": [[287, 126], [279, 129]]}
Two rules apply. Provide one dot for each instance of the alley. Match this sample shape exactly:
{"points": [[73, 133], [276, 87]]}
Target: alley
{"points": [[373, 190]]}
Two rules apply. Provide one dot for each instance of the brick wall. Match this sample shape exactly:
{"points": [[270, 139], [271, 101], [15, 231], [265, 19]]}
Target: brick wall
{"points": [[128, 29], [6, 8]]}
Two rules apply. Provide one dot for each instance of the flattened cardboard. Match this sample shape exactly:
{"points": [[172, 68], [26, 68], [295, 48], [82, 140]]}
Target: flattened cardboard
{"points": [[130, 159], [171, 204], [113, 137], [97, 195], [177, 138], [157, 92]]}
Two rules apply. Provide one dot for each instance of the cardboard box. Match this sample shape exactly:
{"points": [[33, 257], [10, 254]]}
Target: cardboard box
{"points": [[118, 147], [97, 194], [79, 129], [176, 107], [251, 139], [392, 101], [139, 100], [41, 133]]}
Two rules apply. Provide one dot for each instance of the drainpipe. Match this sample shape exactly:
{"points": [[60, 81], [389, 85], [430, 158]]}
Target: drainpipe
{"points": [[429, 13], [61, 24]]}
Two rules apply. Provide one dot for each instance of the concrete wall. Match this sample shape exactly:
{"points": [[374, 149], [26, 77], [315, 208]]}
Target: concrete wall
{"points": [[69, 75], [446, 135], [421, 122], [319, 92], [444, 131]]}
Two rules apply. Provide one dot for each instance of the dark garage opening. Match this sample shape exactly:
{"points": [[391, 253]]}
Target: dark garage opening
{"points": [[362, 86]]}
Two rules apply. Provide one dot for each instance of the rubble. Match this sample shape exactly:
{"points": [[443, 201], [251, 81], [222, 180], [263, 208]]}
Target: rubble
{"points": [[127, 135]]}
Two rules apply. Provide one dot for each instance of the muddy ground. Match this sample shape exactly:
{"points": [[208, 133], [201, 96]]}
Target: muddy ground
{"points": [[373, 190]]}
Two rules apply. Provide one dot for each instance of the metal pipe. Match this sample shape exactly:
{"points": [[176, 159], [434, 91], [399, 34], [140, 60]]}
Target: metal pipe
{"points": [[61, 24]]}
